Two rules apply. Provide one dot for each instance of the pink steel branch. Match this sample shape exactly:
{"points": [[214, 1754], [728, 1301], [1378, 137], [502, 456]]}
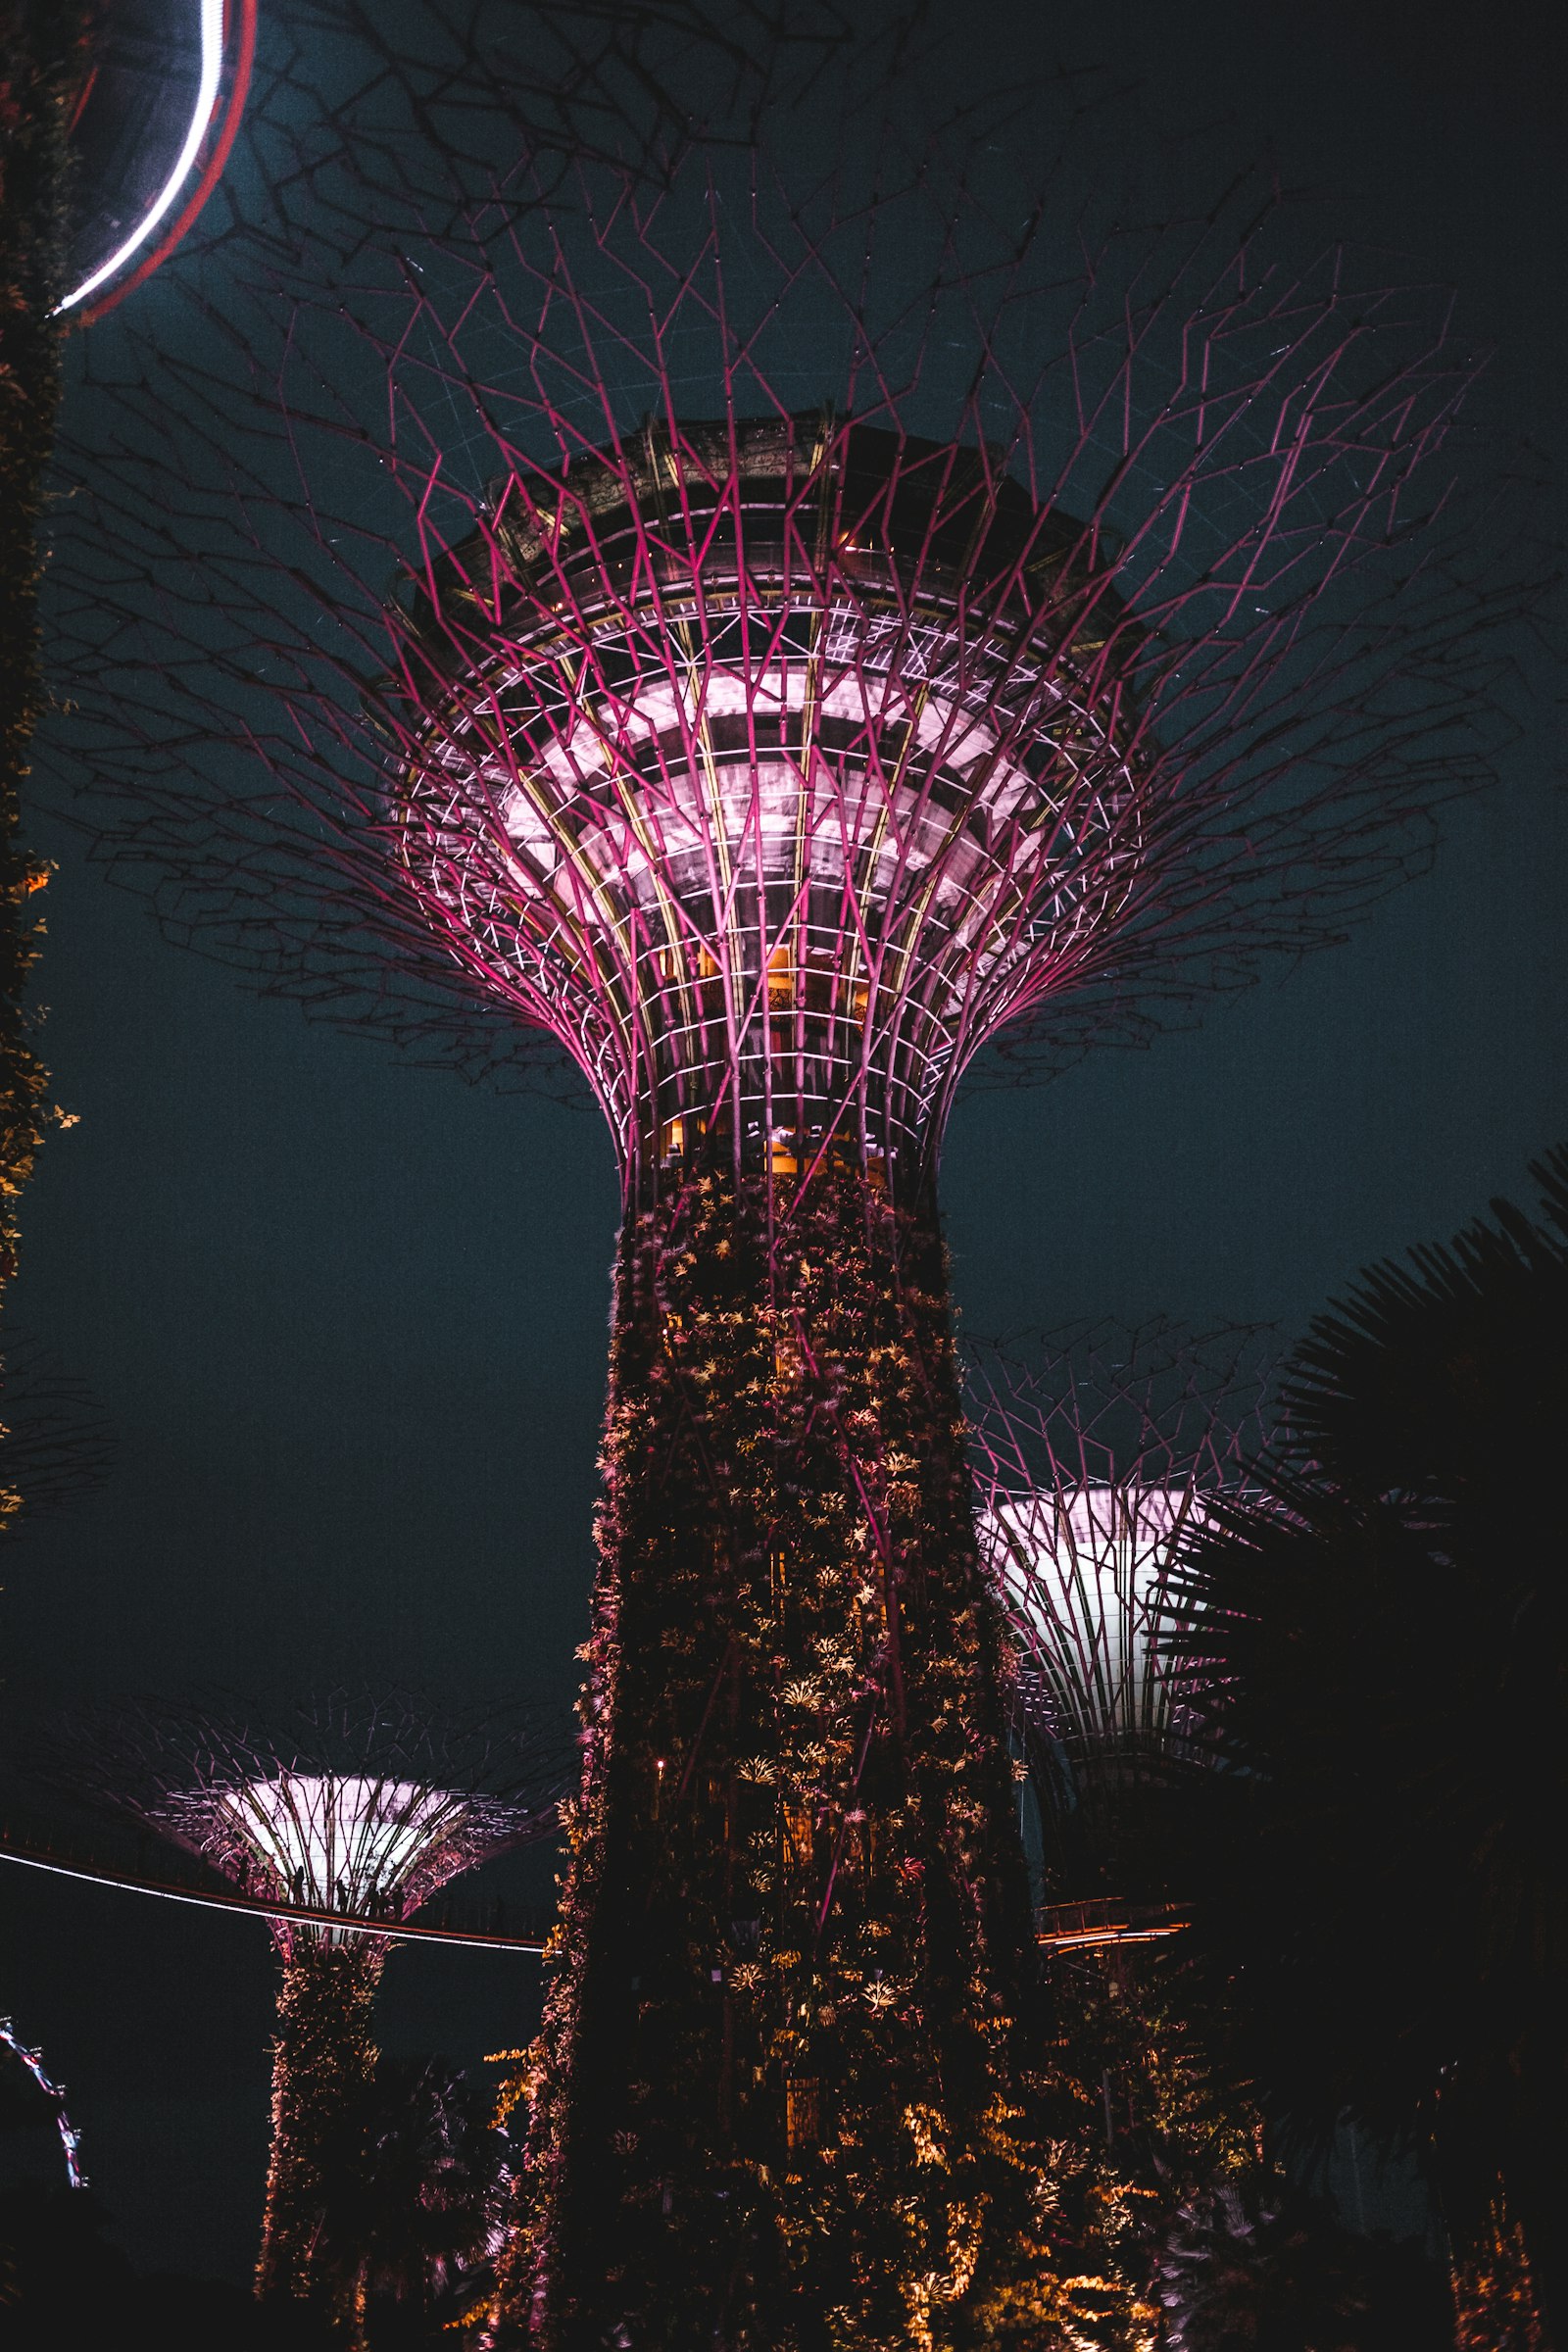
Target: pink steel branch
{"points": [[757, 831], [345, 1820], [1096, 1450], [772, 766]]}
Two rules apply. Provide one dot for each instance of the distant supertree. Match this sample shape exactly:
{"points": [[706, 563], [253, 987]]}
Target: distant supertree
{"points": [[1098, 1450], [360, 1808], [764, 633]]}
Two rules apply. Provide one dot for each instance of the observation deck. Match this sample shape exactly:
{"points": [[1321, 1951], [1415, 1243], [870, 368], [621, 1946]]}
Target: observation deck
{"points": [[773, 765]]}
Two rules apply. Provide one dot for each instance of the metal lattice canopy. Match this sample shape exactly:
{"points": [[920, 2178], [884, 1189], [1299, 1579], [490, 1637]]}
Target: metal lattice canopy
{"points": [[1038, 630], [777, 767], [364, 1806], [375, 1848], [1098, 1450]]}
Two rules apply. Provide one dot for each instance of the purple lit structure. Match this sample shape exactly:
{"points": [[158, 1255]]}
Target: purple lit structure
{"points": [[769, 635], [362, 1809], [1098, 1450]]}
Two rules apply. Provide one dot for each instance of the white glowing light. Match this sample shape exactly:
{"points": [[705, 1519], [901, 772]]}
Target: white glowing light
{"points": [[212, 40], [345, 1844], [1084, 1571], [644, 834]]}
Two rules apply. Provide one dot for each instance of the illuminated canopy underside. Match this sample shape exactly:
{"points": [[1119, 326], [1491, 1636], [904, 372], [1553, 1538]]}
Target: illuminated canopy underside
{"points": [[370, 1847], [747, 792], [1084, 1574]]}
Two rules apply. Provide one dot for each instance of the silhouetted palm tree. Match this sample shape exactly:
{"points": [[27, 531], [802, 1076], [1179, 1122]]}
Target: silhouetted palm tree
{"points": [[1378, 1630], [420, 2212]]}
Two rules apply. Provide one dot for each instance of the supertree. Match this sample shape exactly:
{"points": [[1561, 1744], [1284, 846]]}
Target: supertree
{"points": [[361, 1807], [762, 632], [1098, 1450]]}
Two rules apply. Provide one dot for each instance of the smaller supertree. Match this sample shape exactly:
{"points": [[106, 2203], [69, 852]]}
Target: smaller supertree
{"points": [[1098, 1450], [27, 2096], [357, 1808]]}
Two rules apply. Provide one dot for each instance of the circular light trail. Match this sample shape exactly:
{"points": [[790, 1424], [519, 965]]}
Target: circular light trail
{"points": [[227, 45]]}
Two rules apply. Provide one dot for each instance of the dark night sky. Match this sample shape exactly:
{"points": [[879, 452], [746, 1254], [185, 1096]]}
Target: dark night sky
{"points": [[349, 1318]]}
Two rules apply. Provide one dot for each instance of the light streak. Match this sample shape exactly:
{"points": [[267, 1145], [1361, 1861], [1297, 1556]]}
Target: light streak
{"points": [[401, 1932], [212, 34]]}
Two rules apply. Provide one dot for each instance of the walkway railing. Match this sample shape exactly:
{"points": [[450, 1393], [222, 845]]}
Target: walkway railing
{"points": [[30, 1856]]}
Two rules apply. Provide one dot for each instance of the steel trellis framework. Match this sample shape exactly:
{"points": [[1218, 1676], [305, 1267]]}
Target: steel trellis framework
{"points": [[364, 1806], [791, 738], [762, 833], [359, 1807], [1098, 1448], [767, 631]]}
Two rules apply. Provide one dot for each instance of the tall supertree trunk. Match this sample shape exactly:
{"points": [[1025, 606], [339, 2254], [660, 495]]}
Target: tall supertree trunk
{"points": [[776, 2094], [324, 2060]]}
